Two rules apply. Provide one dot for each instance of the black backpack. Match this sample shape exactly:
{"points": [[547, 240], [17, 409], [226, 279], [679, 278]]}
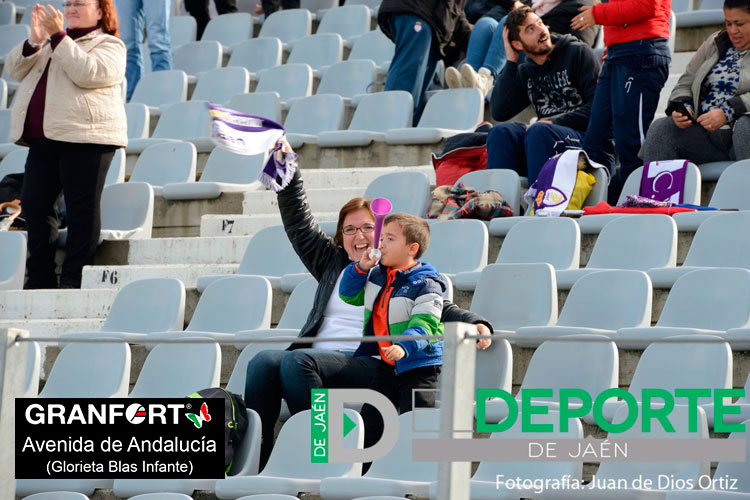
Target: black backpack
{"points": [[235, 420]]}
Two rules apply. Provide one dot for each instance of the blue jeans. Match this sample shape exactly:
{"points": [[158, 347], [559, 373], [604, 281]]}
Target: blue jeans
{"points": [[132, 15], [526, 149], [486, 47], [414, 59]]}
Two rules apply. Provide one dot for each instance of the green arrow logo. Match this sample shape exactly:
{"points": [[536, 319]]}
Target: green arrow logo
{"points": [[348, 424]]}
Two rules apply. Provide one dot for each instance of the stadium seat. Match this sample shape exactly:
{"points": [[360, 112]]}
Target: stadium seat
{"points": [[373, 45], [396, 473], [257, 54], [375, 115], [287, 25], [598, 303], [159, 88], [265, 104], [229, 30], [298, 306], [33, 370], [12, 260], [138, 120], [224, 172], [182, 121], [182, 30], [7, 13], [14, 162], [533, 301], [743, 403], [312, 115], [197, 57], [317, 51], [710, 13], [705, 301], [55, 495], [288, 471], [589, 362], [5, 145], [712, 171], [372, 4], [176, 370], [720, 241], [635, 472], [503, 180], [729, 193], [641, 242], [348, 21], [165, 163], [686, 361], [3, 89], [269, 254], [457, 246], [315, 6], [561, 247], [288, 81], [349, 79], [141, 307], [221, 84], [494, 366], [161, 496], [447, 113], [737, 470], [127, 212], [270, 496], [407, 191], [484, 483], [593, 224], [116, 171], [10, 36]]}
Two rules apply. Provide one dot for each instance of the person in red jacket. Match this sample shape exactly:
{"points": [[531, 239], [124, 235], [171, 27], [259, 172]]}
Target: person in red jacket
{"points": [[636, 33]]}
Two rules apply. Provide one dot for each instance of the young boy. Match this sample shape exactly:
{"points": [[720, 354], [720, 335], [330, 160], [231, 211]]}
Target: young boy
{"points": [[401, 297]]}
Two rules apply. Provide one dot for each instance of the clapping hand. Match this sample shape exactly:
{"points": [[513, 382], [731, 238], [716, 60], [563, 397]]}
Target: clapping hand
{"points": [[50, 18], [38, 32]]}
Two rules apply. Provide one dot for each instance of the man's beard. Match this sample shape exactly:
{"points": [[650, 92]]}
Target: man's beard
{"points": [[533, 51]]}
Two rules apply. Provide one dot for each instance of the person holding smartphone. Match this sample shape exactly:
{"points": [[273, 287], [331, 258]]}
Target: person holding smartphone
{"points": [[708, 108]]}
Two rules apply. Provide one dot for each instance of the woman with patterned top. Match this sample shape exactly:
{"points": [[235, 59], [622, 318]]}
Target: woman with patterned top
{"points": [[707, 113]]}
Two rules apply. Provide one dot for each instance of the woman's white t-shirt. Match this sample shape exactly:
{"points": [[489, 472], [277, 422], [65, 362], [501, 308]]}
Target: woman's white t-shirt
{"points": [[340, 320]]}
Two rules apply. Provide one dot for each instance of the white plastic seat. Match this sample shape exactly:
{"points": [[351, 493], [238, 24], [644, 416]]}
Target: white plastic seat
{"points": [[349, 21], [287, 25], [680, 363], [375, 46], [288, 471], [720, 241], [447, 113], [737, 470], [161, 496], [265, 104], [198, 57], [165, 163], [224, 172], [532, 303], [269, 254], [739, 339], [269, 496], [14, 162], [12, 260], [593, 224], [116, 171], [494, 366], [221, 84], [159, 88], [312, 115], [712, 171], [139, 120], [176, 370], [396, 473], [183, 121], [182, 30], [449, 252], [3, 92], [706, 301], [599, 303], [257, 54], [10, 36], [709, 14], [33, 370], [7, 13], [407, 191], [349, 79], [55, 495], [6, 146], [561, 246], [743, 403], [503, 180], [375, 115], [630, 471], [729, 193], [639, 242], [229, 29], [315, 6], [317, 51], [59, 489], [288, 81]]}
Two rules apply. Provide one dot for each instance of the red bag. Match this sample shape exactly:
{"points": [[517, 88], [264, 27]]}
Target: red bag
{"points": [[452, 165]]}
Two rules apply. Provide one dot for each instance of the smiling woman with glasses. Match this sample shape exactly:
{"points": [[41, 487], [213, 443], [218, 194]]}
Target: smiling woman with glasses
{"points": [[69, 111]]}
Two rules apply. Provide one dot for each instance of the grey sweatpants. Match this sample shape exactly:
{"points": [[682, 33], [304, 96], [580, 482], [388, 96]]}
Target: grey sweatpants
{"points": [[665, 141]]}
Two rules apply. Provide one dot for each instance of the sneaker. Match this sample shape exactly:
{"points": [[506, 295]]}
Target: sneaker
{"points": [[482, 79], [453, 78]]}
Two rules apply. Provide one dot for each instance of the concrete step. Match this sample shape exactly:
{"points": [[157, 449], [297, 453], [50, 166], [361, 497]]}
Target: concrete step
{"points": [[318, 178], [224, 250], [116, 276], [680, 61], [320, 200], [52, 304], [53, 327], [243, 225]]}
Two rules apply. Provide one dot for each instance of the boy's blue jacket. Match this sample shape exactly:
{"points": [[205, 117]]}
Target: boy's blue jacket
{"points": [[414, 308]]}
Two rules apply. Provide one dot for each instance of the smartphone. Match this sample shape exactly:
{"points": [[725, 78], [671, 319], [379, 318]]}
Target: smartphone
{"points": [[687, 110]]}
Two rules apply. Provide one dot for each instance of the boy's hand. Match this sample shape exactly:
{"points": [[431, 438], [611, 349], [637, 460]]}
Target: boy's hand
{"points": [[367, 262], [394, 352], [482, 329]]}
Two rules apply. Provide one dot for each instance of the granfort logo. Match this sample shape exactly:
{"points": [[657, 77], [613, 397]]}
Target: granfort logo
{"points": [[135, 413], [106, 413]]}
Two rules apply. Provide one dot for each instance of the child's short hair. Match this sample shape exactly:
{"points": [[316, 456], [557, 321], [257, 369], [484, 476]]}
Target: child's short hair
{"points": [[515, 20], [415, 229]]}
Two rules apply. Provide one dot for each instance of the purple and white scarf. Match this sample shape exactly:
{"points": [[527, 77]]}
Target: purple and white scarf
{"points": [[664, 180], [251, 135]]}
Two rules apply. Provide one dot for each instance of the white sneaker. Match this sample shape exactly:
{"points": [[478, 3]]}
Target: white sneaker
{"points": [[468, 76], [482, 79], [453, 78]]}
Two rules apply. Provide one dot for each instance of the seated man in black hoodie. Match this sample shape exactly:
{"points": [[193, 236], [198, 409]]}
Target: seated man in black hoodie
{"points": [[558, 79]]}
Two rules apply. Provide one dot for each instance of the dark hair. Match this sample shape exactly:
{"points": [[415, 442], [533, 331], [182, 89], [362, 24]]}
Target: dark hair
{"points": [[351, 206], [737, 4], [109, 21], [415, 229], [514, 22]]}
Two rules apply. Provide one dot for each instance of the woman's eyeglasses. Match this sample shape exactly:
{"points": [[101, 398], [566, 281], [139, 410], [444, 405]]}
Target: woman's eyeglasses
{"points": [[351, 230], [77, 5]]}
